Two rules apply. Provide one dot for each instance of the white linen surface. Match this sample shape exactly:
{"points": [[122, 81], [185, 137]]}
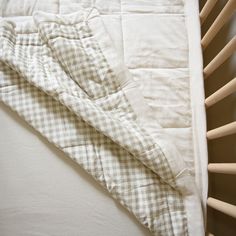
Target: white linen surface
{"points": [[44, 193]]}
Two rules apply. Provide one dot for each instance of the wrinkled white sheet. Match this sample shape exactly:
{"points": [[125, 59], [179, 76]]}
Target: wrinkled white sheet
{"points": [[160, 43]]}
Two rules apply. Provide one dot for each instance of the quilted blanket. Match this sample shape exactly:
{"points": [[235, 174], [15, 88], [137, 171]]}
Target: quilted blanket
{"points": [[64, 77]]}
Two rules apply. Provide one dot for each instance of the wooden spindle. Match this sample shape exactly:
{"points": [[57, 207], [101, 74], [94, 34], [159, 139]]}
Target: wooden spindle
{"points": [[222, 131], [222, 168], [206, 10], [222, 18], [220, 58], [223, 92], [224, 207]]}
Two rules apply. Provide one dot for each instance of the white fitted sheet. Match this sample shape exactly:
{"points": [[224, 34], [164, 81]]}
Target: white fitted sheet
{"points": [[42, 191]]}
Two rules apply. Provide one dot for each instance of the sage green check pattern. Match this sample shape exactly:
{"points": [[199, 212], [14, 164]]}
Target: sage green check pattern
{"points": [[59, 81]]}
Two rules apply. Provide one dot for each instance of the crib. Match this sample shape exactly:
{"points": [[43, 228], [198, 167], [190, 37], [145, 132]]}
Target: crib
{"points": [[164, 57], [221, 173]]}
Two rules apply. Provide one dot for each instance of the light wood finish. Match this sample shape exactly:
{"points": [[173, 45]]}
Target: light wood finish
{"points": [[207, 9], [220, 58], [222, 131], [223, 92], [221, 19], [222, 168], [224, 207]]}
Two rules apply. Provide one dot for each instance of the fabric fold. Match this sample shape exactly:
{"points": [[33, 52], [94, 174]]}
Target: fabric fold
{"points": [[66, 64]]}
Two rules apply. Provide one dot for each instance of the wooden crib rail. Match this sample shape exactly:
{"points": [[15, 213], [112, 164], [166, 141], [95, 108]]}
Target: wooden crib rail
{"points": [[222, 131], [222, 168], [221, 93], [206, 10], [221, 57], [224, 207], [219, 22], [228, 89]]}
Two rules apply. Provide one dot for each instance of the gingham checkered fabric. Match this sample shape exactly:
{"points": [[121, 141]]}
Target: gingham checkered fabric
{"points": [[58, 79]]}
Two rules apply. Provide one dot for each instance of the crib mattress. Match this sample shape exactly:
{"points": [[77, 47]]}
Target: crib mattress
{"points": [[42, 191]]}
